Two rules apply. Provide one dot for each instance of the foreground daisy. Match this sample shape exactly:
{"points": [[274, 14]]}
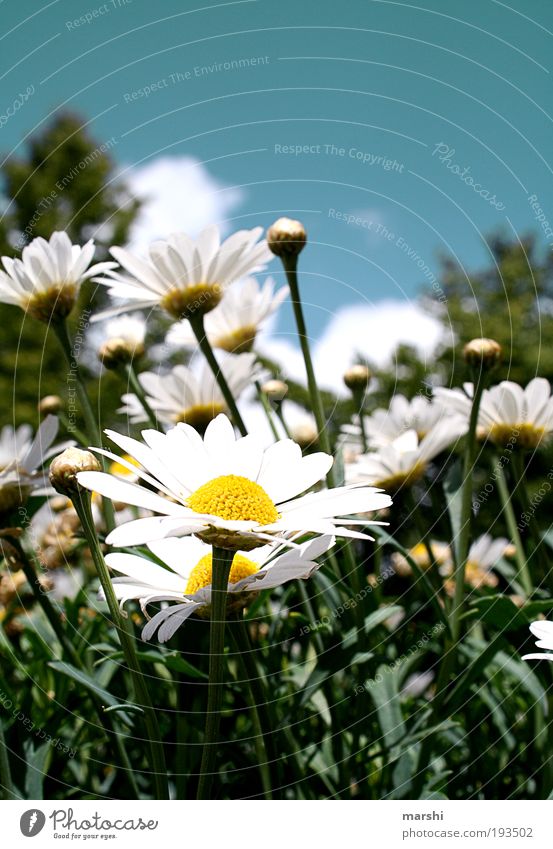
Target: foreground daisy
{"points": [[183, 276], [21, 461], [229, 491], [45, 281], [235, 323], [187, 579], [543, 630], [508, 414], [191, 394], [404, 461]]}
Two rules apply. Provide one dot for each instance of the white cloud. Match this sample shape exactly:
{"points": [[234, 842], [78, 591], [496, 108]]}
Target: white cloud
{"points": [[371, 331], [179, 193]]}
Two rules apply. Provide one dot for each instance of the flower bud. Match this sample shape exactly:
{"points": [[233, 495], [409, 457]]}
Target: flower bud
{"points": [[305, 433], [275, 390], [357, 378], [485, 353], [65, 467], [286, 237], [50, 405], [116, 352]]}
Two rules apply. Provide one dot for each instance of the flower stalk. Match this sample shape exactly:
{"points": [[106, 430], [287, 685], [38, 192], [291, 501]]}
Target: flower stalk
{"points": [[466, 507], [197, 325], [82, 504], [93, 431], [520, 556], [136, 387], [222, 562], [290, 264]]}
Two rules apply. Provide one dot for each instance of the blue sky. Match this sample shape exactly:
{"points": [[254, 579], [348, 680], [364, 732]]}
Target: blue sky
{"points": [[331, 112]]}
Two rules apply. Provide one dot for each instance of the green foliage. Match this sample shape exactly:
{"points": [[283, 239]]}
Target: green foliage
{"points": [[66, 180]]}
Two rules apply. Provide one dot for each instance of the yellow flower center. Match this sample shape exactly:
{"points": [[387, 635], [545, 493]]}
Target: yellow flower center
{"points": [[200, 415], [121, 471], [193, 299], [237, 342], [525, 435], [234, 498], [201, 574]]}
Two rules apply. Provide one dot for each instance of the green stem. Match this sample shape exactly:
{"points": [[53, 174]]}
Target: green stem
{"points": [[529, 509], [93, 431], [359, 399], [520, 556], [256, 683], [74, 431], [197, 325], [290, 264], [82, 506], [27, 561], [280, 415], [258, 736], [136, 386], [222, 562], [268, 412], [6, 788], [466, 509]]}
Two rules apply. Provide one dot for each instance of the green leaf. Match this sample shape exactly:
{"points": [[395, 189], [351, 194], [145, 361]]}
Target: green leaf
{"points": [[453, 489], [38, 760], [503, 614], [372, 621], [84, 680]]}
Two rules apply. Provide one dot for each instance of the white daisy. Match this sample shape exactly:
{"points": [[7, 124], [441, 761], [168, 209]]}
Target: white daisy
{"points": [[46, 280], [187, 579], [191, 394], [384, 426], [229, 491], [508, 414], [234, 324], [131, 329], [21, 459], [543, 630], [185, 277], [404, 461]]}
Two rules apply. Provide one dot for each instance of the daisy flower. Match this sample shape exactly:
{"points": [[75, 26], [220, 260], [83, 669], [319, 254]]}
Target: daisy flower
{"points": [[405, 460], [229, 491], [183, 276], [543, 630], [45, 281], [21, 459], [186, 580], [508, 413], [130, 329], [384, 426], [234, 324], [191, 394], [483, 555], [419, 553]]}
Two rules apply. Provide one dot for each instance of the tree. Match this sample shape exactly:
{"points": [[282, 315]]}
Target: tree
{"points": [[66, 180], [511, 301]]}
